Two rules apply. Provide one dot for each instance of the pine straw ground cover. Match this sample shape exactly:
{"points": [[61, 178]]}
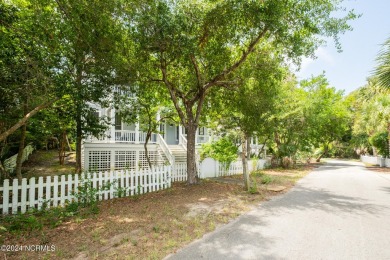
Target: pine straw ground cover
{"points": [[150, 226]]}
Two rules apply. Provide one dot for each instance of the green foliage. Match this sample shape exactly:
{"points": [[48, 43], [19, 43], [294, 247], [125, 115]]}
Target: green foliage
{"points": [[383, 69], [266, 179], [381, 142], [371, 106], [253, 187], [325, 111], [193, 48], [22, 222], [87, 196], [86, 203], [35, 220], [258, 173], [222, 150]]}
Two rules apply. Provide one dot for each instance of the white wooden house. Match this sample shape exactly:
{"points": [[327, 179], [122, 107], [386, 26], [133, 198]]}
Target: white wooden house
{"points": [[122, 146]]}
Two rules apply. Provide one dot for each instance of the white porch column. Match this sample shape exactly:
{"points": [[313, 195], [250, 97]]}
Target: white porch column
{"points": [[112, 129], [158, 116], [137, 133]]}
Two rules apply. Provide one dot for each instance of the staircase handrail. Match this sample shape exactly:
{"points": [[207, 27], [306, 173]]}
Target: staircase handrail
{"points": [[164, 147], [183, 141]]}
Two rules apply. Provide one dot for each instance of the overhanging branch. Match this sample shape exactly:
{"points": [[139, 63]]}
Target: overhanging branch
{"points": [[243, 57]]}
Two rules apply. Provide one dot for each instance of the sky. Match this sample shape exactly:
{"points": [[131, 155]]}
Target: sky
{"points": [[349, 69]]}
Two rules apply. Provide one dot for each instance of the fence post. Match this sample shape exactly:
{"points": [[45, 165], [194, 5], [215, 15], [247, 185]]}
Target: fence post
{"points": [[24, 195], [63, 195], [31, 196], [40, 192], [55, 191], [15, 196], [48, 191], [169, 173], [216, 168], [5, 196]]}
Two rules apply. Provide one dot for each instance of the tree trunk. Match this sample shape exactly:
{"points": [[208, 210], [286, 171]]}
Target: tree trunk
{"points": [[325, 152], [245, 172], [22, 121], [19, 158], [67, 142], [192, 174], [248, 147], [61, 151], [3, 172], [78, 139], [148, 135]]}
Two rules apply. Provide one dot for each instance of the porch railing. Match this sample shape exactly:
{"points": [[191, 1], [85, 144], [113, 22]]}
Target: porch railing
{"points": [[201, 139], [124, 136], [142, 138]]}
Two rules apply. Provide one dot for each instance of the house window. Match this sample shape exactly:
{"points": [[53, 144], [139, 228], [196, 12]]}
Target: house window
{"points": [[96, 114], [201, 131], [118, 122]]}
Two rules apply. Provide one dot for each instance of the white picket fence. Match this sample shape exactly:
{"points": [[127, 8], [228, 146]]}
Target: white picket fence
{"points": [[179, 172], [233, 169], [54, 191], [375, 160], [58, 190], [236, 167], [10, 163]]}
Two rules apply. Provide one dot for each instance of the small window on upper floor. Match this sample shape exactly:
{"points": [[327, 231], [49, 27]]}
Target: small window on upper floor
{"points": [[201, 131], [118, 122], [96, 114]]}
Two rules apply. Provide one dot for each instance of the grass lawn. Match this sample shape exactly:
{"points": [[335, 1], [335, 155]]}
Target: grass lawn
{"points": [[46, 163], [150, 226]]}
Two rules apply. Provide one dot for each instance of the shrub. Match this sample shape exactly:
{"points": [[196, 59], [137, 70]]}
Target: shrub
{"points": [[266, 179], [381, 142], [223, 150]]}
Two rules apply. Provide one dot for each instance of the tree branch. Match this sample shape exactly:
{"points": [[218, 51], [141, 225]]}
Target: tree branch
{"points": [[22, 121], [198, 77], [172, 91], [243, 57], [202, 96]]}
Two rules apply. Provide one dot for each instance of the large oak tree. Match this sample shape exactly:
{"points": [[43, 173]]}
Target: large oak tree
{"points": [[191, 47]]}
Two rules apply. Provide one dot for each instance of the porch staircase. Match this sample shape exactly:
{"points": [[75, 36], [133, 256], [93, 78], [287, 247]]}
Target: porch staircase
{"points": [[179, 153]]}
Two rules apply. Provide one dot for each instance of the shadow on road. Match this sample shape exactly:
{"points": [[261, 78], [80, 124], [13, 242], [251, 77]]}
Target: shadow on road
{"points": [[338, 164], [302, 198], [249, 236], [386, 189]]}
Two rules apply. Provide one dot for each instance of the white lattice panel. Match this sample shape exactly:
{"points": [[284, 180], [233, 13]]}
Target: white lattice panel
{"points": [[153, 156], [99, 160], [125, 160]]}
